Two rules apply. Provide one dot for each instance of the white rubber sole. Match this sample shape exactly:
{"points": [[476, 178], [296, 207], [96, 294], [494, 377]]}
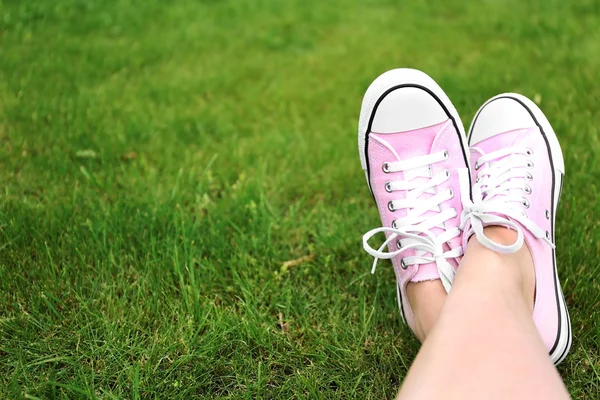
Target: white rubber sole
{"points": [[562, 346], [385, 84]]}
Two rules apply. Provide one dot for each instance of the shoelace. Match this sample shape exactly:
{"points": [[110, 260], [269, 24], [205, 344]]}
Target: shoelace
{"points": [[500, 174], [414, 230]]}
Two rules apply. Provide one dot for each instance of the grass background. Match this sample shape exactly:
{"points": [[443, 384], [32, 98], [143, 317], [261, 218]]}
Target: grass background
{"points": [[161, 160]]}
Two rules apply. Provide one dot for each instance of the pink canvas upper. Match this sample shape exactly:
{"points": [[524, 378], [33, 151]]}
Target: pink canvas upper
{"points": [[540, 211], [390, 147]]}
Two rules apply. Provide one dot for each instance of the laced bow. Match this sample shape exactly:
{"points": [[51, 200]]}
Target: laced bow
{"points": [[414, 230]]}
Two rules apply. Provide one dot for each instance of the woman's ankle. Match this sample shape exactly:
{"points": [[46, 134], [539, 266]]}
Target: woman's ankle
{"points": [[512, 274], [511, 271], [426, 300]]}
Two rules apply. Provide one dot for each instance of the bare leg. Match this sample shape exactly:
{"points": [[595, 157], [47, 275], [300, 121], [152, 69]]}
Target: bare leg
{"points": [[426, 300], [485, 344]]}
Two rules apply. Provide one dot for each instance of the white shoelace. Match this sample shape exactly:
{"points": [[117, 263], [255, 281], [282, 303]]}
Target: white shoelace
{"points": [[414, 230], [502, 175]]}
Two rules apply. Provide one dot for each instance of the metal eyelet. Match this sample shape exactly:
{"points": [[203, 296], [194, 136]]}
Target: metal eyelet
{"points": [[447, 172], [446, 155], [477, 180], [527, 189], [394, 224], [477, 166], [386, 167], [547, 235], [529, 164], [403, 264], [529, 152], [529, 176], [399, 244], [547, 214], [525, 203], [391, 206], [388, 187], [451, 193]]}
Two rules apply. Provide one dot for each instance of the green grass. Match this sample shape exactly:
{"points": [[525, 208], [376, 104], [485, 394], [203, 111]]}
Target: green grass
{"points": [[160, 161]]}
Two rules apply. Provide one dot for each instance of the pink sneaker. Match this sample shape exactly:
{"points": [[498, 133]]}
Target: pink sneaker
{"points": [[412, 144], [518, 172]]}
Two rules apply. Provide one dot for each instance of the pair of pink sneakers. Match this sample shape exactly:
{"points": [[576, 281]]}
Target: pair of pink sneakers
{"points": [[435, 188]]}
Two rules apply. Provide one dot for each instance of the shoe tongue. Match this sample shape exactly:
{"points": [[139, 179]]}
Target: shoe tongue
{"points": [[502, 140], [403, 144], [506, 139], [422, 175], [510, 159]]}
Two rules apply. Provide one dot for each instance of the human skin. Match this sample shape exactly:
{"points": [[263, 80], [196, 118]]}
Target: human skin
{"points": [[480, 341]]}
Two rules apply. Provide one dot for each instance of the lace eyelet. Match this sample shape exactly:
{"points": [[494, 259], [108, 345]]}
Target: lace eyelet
{"points": [[391, 206], [477, 166], [386, 167], [529, 164], [529, 176], [394, 224], [527, 189], [451, 193], [403, 265], [547, 235], [446, 155], [388, 187], [547, 214], [477, 180], [447, 172], [525, 202], [529, 152]]}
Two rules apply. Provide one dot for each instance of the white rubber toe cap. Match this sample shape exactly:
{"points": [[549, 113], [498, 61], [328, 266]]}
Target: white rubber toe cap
{"points": [[500, 115], [407, 109]]}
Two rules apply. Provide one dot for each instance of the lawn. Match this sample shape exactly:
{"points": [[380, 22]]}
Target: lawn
{"points": [[161, 162]]}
